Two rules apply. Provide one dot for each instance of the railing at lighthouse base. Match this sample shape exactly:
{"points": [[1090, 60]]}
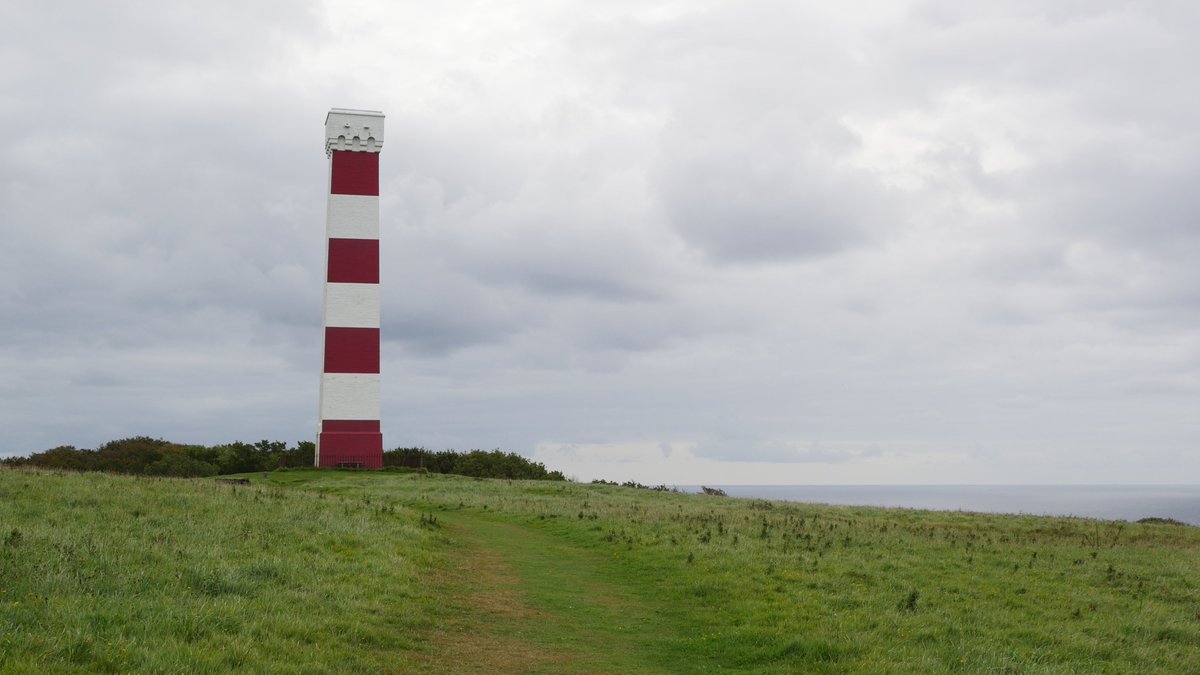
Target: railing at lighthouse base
{"points": [[351, 450]]}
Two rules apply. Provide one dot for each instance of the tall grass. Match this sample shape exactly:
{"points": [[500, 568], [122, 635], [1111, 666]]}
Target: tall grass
{"points": [[104, 573], [762, 586], [319, 571]]}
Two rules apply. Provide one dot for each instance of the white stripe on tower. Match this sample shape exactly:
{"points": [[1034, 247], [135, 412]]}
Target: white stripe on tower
{"points": [[348, 433], [352, 305], [353, 216], [350, 396]]}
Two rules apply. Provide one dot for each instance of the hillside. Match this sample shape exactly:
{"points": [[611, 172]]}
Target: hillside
{"points": [[112, 573], [320, 571]]}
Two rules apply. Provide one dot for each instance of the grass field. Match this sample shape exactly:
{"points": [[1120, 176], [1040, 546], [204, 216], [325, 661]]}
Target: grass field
{"points": [[320, 571], [118, 574]]}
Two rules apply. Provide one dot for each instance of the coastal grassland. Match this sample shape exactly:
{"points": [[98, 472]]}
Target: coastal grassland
{"points": [[103, 573], [334, 571], [710, 583]]}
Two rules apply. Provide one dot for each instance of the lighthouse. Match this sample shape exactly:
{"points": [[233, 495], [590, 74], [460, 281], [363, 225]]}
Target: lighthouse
{"points": [[348, 432]]}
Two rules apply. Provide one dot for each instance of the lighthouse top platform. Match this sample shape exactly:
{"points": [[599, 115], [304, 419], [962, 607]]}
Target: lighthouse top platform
{"points": [[353, 130]]}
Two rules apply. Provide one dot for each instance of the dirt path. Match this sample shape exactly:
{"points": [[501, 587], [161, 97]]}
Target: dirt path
{"points": [[523, 601]]}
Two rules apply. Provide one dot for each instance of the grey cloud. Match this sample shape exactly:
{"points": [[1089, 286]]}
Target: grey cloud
{"points": [[1120, 195], [751, 159], [727, 225], [442, 312], [783, 452], [740, 206]]}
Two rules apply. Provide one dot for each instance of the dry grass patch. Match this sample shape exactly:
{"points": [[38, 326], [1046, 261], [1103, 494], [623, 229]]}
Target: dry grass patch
{"points": [[489, 616]]}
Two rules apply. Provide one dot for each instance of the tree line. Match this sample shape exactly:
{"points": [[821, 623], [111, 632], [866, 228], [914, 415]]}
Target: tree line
{"points": [[147, 456], [476, 463]]}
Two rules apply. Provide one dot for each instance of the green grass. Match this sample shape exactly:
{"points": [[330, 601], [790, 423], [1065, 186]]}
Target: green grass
{"points": [[588, 606], [769, 586], [517, 576], [103, 573]]}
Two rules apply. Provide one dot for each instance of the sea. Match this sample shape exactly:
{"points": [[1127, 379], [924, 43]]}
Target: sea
{"points": [[1108, 502]]}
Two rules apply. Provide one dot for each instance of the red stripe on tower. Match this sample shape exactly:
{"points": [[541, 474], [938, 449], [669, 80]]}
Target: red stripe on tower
{"points": [[353, 261], [351, 350], [348, 434], [355, 173]]}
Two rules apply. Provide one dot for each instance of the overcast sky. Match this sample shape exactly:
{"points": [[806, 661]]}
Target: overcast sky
{"points": [[677, 242]]}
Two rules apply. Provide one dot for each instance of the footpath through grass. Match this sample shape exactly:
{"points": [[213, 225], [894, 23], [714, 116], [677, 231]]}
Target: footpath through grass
{"points": [[526, 601], [363, 571], [757, 586]]}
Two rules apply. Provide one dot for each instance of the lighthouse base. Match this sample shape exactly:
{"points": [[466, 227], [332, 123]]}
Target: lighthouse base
{"points": [[349, 449]]}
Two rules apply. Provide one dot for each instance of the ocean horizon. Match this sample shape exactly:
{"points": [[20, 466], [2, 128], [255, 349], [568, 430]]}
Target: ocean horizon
{"points": [[1107, 502]]}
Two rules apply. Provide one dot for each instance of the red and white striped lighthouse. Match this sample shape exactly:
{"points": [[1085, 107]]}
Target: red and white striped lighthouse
{"points": [[348, 434]]}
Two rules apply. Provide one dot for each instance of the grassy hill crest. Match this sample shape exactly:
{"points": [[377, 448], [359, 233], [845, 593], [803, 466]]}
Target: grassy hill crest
{"points": [[372, 571]]}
